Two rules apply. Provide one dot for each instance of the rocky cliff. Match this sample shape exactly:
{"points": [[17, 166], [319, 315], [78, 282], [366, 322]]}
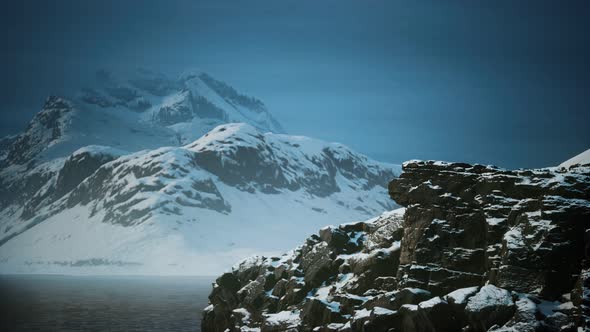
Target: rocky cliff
{"points": [[476, 248]]}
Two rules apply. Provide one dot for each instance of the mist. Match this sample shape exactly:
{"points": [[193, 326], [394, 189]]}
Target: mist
{"points": [[499, 83]]}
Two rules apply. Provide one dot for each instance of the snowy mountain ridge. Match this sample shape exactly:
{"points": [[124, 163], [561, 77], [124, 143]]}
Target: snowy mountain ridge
{"points": [[146, 111], [225, 192], [150, 176]]}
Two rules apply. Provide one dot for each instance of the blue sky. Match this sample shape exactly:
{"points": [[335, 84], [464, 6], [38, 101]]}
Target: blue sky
{"points": [[500, 82]]}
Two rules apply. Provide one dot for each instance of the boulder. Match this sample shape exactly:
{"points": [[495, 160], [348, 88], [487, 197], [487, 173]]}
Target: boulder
{"points": [[490, 306], [410, 296], [318, 313]]}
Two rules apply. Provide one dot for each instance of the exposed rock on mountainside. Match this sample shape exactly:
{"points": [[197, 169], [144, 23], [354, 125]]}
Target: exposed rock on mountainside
{"points": [[199, 199], [144, 110], [581, 159], [477, 248], [44, 130], [172, 175]]}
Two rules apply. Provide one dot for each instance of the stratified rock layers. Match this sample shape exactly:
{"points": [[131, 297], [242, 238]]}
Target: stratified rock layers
{"points": [[465, 225], [477, 248]]}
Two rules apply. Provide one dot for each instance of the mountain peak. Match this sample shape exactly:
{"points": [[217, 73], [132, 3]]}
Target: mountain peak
{"points": [[44, 130], [52, 102], [183, 200], [140, 110], [193, 73], [227, 134], [141, 165]]}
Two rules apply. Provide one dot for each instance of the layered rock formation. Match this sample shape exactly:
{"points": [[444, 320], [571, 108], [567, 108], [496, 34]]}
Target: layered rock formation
{"points": [[476, 248]]}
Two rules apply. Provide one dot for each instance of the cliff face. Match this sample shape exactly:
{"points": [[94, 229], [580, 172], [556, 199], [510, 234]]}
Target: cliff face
{"points": [[465, 225], [476, 248]]}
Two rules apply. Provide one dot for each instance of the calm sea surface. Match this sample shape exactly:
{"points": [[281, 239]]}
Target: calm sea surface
{"points": [[68, 303]]}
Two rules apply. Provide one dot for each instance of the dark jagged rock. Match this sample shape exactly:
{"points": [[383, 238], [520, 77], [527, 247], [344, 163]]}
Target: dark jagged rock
{"points": [[477, 248], [490, 306], [311, 285], [410, 296], [75, 169], [521, 230]]}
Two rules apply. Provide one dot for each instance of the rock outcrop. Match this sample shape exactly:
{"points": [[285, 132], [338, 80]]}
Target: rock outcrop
{"points": [[476, 248]]}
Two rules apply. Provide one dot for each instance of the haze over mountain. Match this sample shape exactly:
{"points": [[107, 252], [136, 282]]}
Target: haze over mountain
{"points": [[474, 248], [396, 81], [151, 175]]}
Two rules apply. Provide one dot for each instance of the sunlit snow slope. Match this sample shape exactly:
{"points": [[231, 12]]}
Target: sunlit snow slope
{"points": [[191, 209]]}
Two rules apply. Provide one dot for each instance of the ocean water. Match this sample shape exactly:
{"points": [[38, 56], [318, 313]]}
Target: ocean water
{"points": [[84, 303]]}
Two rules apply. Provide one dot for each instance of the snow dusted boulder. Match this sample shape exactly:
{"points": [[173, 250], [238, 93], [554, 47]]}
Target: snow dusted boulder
{"points": [[381, 320], [317, 312], [434, 314], [460, 296], [457, 301], [317, 263], [490, 306], [336, 238], [251, 294], [281, 321], [524, 318]]}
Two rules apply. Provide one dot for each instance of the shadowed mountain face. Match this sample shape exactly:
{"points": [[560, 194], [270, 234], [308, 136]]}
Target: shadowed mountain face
{"points": [[476, 248], [145, 176]]}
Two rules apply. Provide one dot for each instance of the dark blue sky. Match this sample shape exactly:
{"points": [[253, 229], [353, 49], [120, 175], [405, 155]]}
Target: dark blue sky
{"points": [[505, 82]]}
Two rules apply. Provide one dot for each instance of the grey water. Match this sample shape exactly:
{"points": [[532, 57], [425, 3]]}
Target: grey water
{"points": [[99, 303]]}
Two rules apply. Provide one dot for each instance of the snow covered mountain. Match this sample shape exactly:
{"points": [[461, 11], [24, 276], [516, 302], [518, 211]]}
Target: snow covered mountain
{"points": [[150, 177], [146, 111]]}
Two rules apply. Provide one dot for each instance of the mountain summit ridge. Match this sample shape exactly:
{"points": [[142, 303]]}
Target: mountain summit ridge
{"points": [[152, 176], [146, 110]]}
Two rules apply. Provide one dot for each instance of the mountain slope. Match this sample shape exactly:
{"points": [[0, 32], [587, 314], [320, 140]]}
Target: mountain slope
{"points": [[192, 209], [581, 159], [143, 174]]}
